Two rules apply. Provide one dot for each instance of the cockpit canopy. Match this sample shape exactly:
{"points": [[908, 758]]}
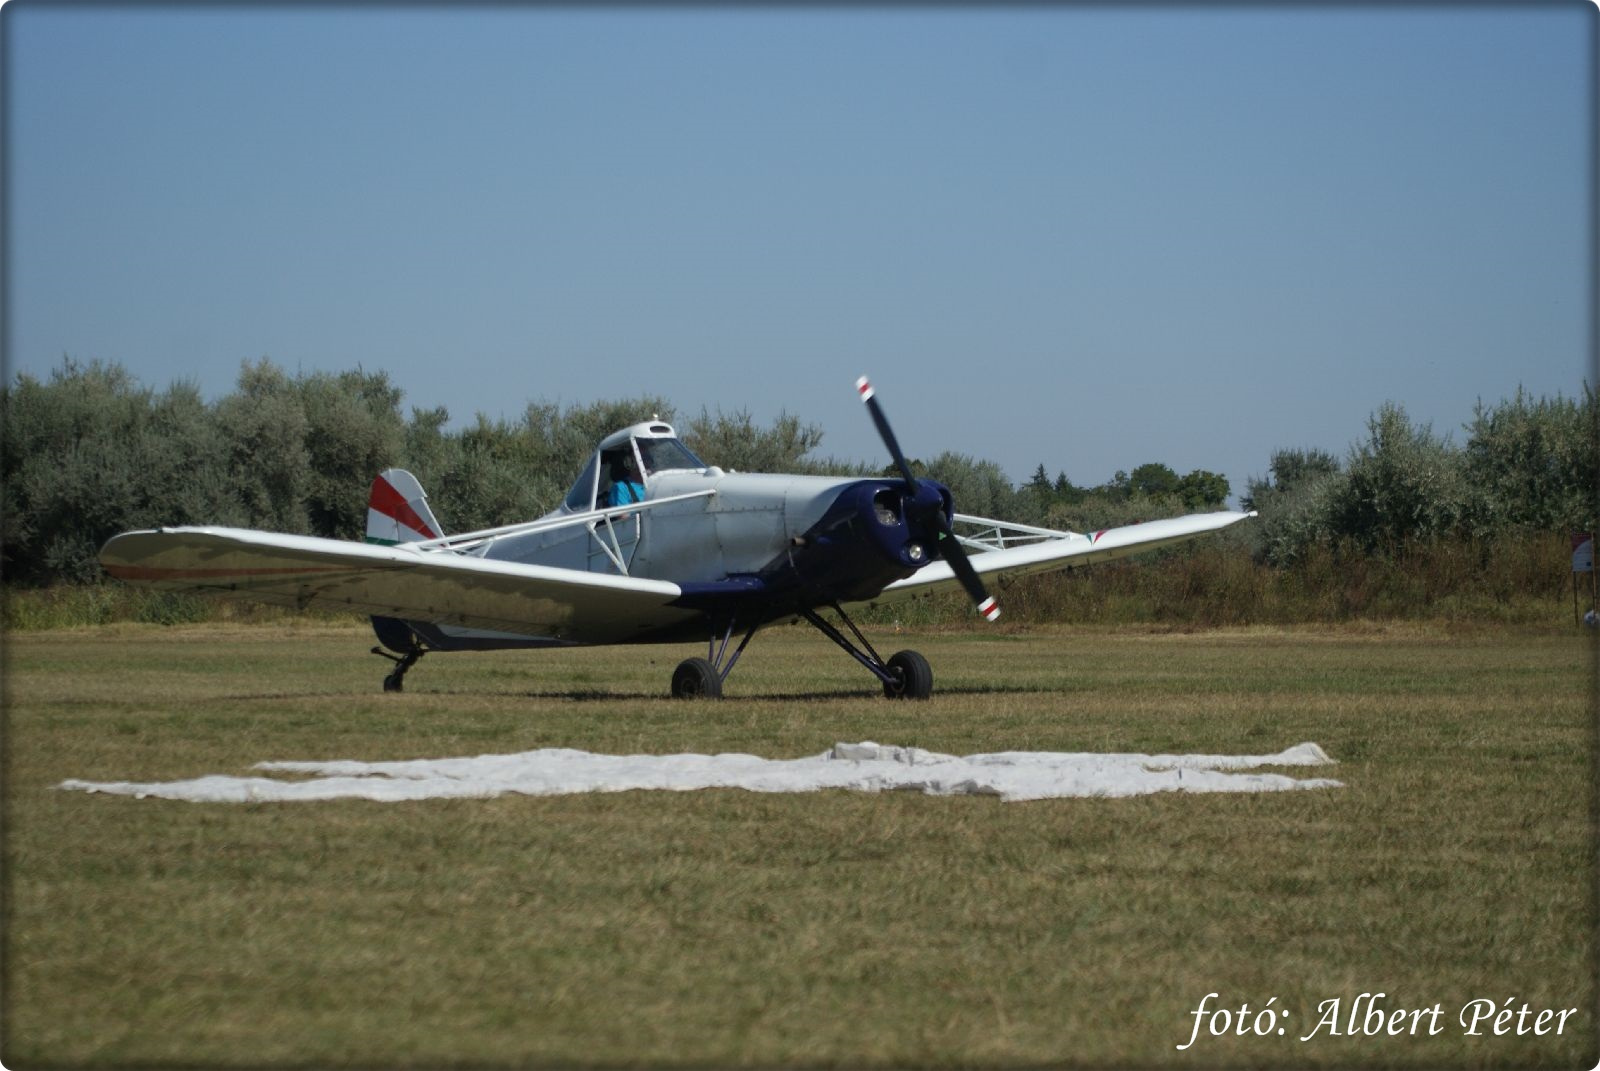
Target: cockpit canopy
{"points": [[651, 447]]}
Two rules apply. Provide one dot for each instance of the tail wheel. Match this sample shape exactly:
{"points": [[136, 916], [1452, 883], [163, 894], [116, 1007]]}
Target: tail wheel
{"points": [[414, 650], [913, 676], [696, 678]]}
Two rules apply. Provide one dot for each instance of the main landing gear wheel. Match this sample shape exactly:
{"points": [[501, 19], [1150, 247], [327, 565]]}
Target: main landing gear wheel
{"points": [[696, 678], [913, 676]]}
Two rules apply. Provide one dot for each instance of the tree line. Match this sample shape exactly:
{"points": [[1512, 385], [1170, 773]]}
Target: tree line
{"points": [[89, 451], [1528, 465]]}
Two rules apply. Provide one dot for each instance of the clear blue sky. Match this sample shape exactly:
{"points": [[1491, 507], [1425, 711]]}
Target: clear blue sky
{"points": [[1085, 236]]}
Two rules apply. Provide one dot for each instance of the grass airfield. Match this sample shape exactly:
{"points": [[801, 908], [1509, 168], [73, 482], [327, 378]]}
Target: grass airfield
{"points": [[727, 928]]}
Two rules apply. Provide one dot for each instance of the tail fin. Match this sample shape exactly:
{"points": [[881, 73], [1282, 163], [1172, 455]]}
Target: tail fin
{"points": [[397, 510]]}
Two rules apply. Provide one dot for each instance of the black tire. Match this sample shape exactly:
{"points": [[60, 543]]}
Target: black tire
{"points": [[392, 683], [696, 678], [913, 675]]}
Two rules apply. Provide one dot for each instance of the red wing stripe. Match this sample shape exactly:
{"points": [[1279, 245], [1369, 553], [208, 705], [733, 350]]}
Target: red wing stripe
{"points": [[387, 501]]}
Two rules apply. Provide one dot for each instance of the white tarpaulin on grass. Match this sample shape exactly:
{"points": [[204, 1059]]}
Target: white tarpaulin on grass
{"points": [[864, 767]]}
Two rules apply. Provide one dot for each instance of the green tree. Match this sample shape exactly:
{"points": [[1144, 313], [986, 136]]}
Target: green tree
{"points": [[1152, 479], [353, 431], [1294, 501], [263, 425], [1532, 463], [1097, 511], [90, 453], [734, 441], [1037, 496], [1403, 483], [493, 472], [979, 488], [426, 448], [1065, 489], [1201, 490]]}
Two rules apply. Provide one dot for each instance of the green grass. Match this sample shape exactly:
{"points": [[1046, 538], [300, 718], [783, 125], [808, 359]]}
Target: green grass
{"points": [[727, 928]]}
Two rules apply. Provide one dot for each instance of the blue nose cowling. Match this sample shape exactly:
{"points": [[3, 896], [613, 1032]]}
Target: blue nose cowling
{"points": [[867, 539]]}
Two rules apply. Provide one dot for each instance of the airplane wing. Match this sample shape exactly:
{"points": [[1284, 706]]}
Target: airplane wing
{"points": [[1049, 550], [401, 581]]}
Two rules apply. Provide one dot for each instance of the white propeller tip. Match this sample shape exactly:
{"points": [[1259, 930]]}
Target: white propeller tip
{"points": [[989, 608], [864, 389]]}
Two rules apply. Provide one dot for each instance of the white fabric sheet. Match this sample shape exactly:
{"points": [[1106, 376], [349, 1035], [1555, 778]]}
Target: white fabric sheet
{"points": [[862, 767]]}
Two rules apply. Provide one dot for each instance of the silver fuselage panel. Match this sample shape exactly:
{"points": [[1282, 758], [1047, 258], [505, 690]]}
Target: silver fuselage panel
{"points": [[747, 523]]}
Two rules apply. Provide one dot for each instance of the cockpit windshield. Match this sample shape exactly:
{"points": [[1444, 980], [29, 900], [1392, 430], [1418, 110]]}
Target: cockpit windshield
{"points": [[662, 454], [581, 497], [616, 463]]}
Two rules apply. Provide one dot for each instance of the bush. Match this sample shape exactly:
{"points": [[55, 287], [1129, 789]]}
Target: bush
{"points": [[1402, 484], [89, 454], [1535, 463]]}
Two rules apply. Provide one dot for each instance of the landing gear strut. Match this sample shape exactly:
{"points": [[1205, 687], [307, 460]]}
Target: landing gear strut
{"points": [[395, 681], [701, 678], [906, 674]]}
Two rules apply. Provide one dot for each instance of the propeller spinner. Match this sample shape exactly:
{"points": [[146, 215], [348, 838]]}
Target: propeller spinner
{"points": [[925, 510]]}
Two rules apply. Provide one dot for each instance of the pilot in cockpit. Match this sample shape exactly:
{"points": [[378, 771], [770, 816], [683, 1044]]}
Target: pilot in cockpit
{"points": [[626, 487]]}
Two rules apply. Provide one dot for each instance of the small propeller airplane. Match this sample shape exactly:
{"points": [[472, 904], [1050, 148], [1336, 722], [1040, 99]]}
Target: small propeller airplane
{"points": [[651, 545]]}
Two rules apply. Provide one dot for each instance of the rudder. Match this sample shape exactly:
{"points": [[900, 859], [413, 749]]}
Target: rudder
{"points": [[397, 510]]}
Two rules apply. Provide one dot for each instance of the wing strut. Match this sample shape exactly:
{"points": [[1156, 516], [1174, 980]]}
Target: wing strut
{"points": [[701, 678]]}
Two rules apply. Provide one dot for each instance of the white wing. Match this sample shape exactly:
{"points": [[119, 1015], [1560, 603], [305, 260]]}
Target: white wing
{"points": [[999, 551], [400, 581]]}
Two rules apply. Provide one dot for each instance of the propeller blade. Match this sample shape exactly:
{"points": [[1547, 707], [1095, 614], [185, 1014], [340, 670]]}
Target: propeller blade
{"points": [[954, 553], [949, 546], [886, 433]]}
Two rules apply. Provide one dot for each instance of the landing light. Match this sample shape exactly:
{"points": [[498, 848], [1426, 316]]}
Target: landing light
{"points": [[914, 551]]}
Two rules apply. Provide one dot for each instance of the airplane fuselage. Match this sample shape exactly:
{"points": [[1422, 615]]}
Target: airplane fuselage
{"points": [[784, 539], [744, 548]]}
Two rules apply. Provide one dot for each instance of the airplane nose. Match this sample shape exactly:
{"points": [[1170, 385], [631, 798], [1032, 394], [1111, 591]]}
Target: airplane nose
{"points": [[927, 500]]}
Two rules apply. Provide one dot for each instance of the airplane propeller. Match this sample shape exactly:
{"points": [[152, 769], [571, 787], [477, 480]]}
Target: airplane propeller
{"points": [[926, 510]]}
